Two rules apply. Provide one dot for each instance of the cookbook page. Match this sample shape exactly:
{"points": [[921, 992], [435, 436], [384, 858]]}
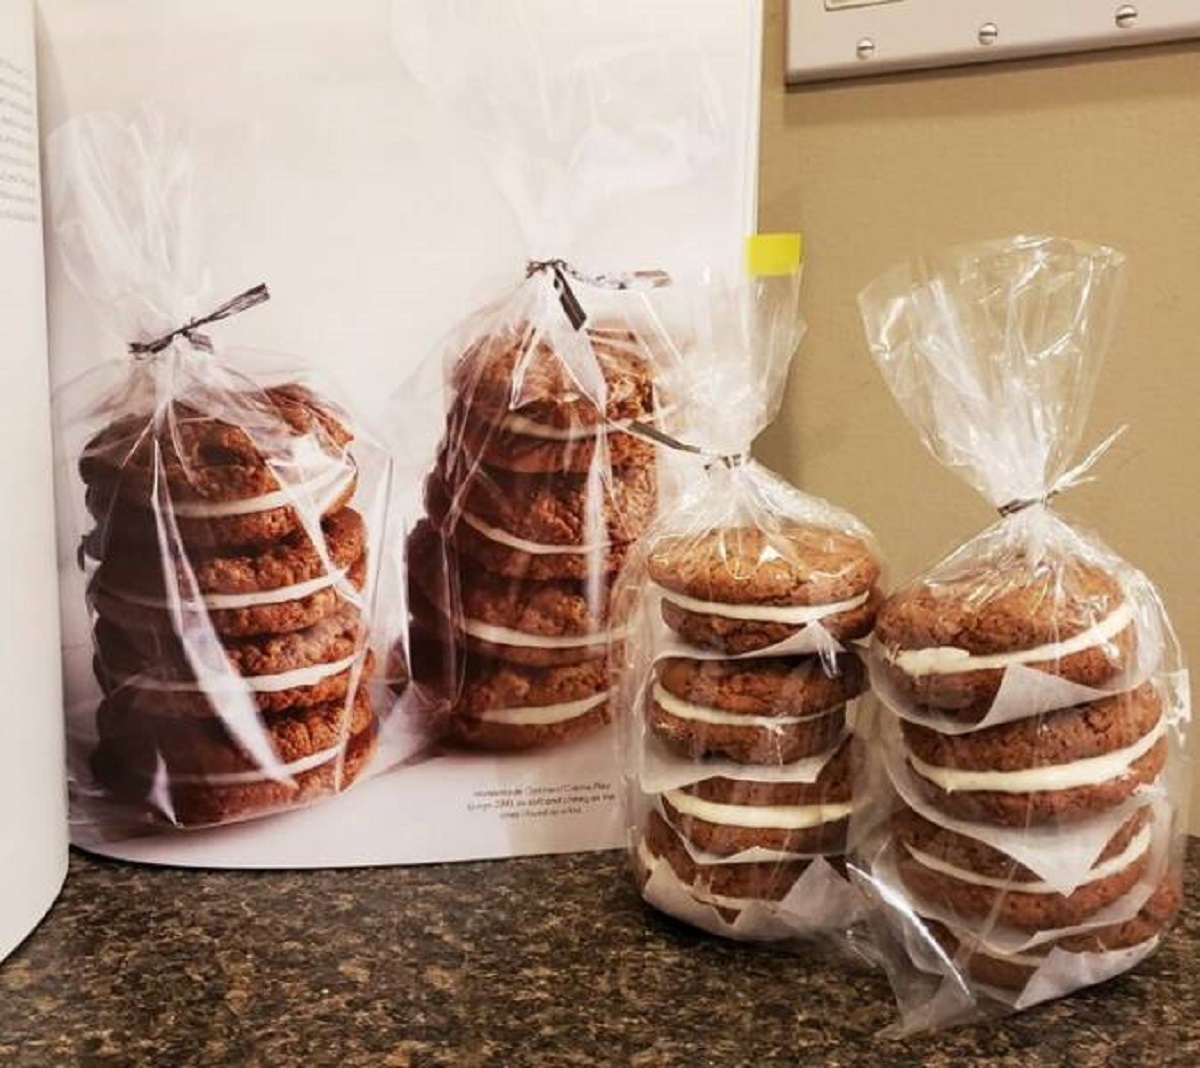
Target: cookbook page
{"points": [[321, 168], [33, 818]]}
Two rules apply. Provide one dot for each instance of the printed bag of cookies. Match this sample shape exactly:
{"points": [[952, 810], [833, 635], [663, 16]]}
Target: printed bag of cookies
{"points": [[744, 605], [521, 485], [1029, 747], [216, 613]]}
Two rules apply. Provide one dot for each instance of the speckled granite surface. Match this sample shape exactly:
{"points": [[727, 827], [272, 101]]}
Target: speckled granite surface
{"points": [[545, 961]]}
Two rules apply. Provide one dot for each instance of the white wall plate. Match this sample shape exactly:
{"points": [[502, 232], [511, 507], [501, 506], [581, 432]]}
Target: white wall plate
{"points": [[855, 38]]}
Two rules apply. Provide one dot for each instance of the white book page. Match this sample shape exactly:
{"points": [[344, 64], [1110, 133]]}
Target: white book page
{"points": [[377, 234], [33, 818]]}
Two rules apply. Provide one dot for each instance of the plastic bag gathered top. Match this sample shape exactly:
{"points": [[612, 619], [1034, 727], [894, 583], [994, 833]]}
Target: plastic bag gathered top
{"points": [[225, 519], [740, 676], [1028, 755]]}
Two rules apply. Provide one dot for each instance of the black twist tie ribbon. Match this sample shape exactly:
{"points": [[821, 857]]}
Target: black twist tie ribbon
{"points": [[190, 330], [727, 460], [1013, 507], [566, 295], [563, 272], [1076, 476]]}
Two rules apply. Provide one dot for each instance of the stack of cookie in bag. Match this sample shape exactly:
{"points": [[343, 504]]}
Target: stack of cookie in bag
{"points": [[748, 697], [739, 681], [538, 491], [226, 574], [1090, 769], [1026, 837]]}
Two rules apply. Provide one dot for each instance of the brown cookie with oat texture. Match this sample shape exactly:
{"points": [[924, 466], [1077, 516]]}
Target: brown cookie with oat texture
{"points": [[972, 879], [489, 704], [539, 624], [759, 880], [729, 816], [276, 672], [191, 749], [541, 526], [1013, 971], [768, 710], [216, 481], [518, 407], [742, 589], [211, 800], [285, 587], [1058, 767], [945, 644]]}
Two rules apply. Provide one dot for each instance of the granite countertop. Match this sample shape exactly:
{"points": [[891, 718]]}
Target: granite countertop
{"points": [[549, 960]]}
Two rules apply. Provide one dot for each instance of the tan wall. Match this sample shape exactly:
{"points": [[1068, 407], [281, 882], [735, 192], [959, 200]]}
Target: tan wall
{"points": [[1105, 148]]}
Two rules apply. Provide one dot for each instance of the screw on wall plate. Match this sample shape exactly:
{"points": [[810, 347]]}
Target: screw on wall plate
{"points": [[1126, 16], [865, 48], [988, 33]]}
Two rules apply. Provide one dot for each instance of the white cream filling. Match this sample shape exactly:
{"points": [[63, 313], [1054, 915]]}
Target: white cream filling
{"points": [[951, 660], [263, 774], [1087, 772], [487, 632], [1136, 847], [544, 715], [702, 714], [321, 490], [796, 615], [519, 424], [534, 548], [1028, 960], [286, 680], [757, 817], [218, 601]]}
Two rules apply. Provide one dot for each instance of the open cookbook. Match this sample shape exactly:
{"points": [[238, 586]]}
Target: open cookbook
{"points": [[329, 330]]}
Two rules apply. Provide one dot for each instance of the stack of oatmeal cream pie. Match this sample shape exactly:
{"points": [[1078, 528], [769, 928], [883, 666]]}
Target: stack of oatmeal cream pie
{"points": [[226, 569], [775, 726], [1049, 781], [531, 507]]}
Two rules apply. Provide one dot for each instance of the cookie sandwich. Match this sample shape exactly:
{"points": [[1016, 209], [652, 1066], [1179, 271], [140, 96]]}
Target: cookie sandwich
{"points": [[727, 887], [1012, 971], [719, 700], [519, 408], [944, 647], [764, 710], [946, 644], [497, 705], [1058, 767], [727, 816], [743, 589]]}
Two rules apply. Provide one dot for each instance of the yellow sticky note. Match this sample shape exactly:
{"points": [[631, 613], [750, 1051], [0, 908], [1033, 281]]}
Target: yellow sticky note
{"points": [[773, 254]]}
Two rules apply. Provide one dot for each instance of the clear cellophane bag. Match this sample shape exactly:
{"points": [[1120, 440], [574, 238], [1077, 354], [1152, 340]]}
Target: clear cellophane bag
{"points": [[1028, 774], [741, 610]]}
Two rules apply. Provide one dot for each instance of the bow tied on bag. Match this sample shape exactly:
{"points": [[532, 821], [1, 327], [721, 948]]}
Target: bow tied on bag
{"points": [[244, 301], [1076, 476]]}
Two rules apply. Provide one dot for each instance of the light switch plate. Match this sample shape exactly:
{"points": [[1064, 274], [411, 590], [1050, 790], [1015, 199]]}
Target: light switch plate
{"points": [[829, 39]]}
